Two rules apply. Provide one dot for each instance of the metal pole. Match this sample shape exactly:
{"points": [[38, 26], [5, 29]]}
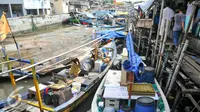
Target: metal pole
{"points": [[158, 31], [35, 80], [177, 68], [162, 48], [150, 34]]}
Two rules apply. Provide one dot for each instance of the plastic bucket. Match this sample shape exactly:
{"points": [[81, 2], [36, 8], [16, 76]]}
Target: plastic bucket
{"points": [[149, 73], [145, 104]]}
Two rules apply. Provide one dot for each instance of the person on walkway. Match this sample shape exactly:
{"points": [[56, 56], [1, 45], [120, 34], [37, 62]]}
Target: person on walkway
{"points": [[168, 14], [179, 20]]}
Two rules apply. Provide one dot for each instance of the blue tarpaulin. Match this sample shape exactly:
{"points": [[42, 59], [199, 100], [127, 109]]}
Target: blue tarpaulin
{"points": [[134, 62], [111, 34]]}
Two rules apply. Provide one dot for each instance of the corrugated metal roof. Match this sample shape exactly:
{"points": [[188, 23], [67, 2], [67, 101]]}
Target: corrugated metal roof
{"points": [[146, 5]]}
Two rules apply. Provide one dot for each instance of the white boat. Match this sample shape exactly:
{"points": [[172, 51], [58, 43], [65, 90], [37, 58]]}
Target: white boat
{"points": [[112, 95]]}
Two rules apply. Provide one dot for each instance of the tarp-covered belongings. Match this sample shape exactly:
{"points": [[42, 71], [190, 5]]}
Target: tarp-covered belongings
{"points": [[101, 13], [111, 34], [134, 63]]}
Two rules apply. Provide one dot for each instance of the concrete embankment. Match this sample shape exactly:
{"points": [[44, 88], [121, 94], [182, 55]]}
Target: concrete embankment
{"points": [[28, 24]]}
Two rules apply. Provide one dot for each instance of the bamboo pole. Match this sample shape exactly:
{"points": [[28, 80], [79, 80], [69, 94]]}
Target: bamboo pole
{"points": [[150, 34], [35, 80], [177, 68], [157, 36], [162, 47]]}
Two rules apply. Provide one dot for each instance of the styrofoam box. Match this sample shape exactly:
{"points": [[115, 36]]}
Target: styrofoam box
{"points": [[112, 103]]}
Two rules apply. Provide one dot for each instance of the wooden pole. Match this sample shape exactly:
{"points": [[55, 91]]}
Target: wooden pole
{"points": [[130, 78], [35, 80], [12, 78], [162, 47], [150, 34], [158, 31]]}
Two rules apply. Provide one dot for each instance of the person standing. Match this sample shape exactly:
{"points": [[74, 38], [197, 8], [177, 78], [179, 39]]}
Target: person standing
{"points": [[179, 20], [168, 14]]}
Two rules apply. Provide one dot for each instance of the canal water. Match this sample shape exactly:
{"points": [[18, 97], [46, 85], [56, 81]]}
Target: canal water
{"points": [[43, 46]]}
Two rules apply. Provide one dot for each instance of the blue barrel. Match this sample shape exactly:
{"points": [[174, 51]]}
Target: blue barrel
{"points": [[145, 104], [149, 73]]}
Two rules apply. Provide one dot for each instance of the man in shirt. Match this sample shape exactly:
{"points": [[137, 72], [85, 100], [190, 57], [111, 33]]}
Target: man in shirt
{"points": [[179, 20], [168, 14]]}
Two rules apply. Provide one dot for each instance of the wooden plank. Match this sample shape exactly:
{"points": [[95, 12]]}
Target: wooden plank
{"points": [[192, 62], [184, 77], [191, 72]]}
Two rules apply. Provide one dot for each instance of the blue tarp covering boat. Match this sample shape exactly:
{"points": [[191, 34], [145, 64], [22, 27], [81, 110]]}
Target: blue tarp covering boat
{"points": [[111, 34], [134, 62]]}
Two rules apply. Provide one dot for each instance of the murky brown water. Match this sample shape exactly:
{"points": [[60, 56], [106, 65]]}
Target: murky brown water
{"points": [[43, 46]]}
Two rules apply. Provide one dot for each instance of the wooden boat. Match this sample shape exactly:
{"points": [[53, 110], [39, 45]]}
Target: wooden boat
{"points": [[112, 95], [87, 87]]}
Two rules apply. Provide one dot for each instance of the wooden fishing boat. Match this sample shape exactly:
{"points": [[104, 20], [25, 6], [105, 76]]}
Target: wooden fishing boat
{"points": [[89, 84], [115, 95]]}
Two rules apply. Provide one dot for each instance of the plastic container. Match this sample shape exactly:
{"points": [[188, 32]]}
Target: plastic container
{"points": [[145, 104], [76, 87], [149, 73]]}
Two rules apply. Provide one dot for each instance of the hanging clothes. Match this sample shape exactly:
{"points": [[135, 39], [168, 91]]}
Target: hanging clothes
{"points": [[168, 14], [189, 11]]}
